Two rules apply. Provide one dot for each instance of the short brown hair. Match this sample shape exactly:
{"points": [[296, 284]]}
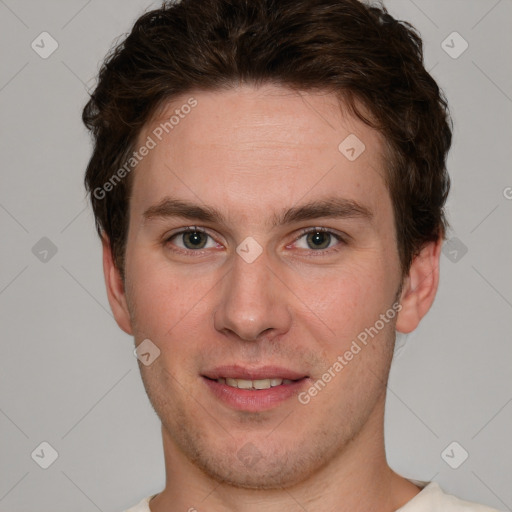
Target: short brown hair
{"points": [[357, 51]]}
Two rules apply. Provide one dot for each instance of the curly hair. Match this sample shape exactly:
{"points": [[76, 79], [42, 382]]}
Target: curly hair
{"points": [[355, 50]]}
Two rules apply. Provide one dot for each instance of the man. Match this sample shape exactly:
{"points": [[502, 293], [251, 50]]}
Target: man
{"points": [[268, 181]]}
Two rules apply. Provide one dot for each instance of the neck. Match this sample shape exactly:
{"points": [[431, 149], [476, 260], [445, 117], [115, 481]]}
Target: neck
{"points": [[356, 480]]}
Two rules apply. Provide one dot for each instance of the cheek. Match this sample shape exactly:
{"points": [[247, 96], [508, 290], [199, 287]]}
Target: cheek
{"points": [[346, 299], [155, 299], [169, 305]]}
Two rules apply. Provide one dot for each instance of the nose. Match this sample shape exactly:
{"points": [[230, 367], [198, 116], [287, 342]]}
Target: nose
{"points": [[253, 301]]}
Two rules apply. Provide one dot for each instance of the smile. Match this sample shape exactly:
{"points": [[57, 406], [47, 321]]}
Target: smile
{"points": [[254, 384], [254, 389]]}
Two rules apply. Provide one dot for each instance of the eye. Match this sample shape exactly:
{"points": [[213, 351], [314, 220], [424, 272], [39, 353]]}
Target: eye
{"points": [[318, 239], [196, 239], [193, 239]]}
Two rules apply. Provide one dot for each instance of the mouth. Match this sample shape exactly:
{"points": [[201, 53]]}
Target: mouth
{"points": [[271, 382], [254, 389]]}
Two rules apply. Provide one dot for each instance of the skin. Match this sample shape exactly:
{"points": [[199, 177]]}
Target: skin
{"points": [[252, 153]]}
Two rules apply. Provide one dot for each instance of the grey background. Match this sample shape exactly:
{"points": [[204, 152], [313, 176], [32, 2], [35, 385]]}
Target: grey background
{"points": [[68, 375]]}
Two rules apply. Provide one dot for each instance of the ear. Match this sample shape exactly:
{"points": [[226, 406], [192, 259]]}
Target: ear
{"points": [[419, 287], [115, 288]]}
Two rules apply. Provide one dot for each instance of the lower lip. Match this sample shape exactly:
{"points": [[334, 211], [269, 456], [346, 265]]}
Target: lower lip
{"points": [[255, 400]]}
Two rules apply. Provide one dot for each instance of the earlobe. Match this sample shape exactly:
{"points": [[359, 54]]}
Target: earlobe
{"points": [[419, 287], [115, 288]]}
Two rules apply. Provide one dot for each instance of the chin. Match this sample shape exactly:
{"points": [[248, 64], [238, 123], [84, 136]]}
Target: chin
{"points": [[263, 464], [279, 473]]}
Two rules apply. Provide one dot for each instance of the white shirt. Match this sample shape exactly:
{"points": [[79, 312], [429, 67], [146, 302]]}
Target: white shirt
{"points": [[430, 499]]}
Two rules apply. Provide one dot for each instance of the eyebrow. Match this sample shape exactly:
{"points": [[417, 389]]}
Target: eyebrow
{"points": [[332, 207]]}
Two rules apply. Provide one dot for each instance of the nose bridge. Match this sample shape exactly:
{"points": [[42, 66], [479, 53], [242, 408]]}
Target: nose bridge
{"points": [[252, 301]]}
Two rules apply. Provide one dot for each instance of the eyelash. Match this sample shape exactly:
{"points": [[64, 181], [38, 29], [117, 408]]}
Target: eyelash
{"points": [[303, 232]]}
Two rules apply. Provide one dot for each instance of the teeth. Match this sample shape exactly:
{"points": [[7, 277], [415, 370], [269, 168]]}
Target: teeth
{"points": [[261, 384], [253, 384], [244, 384]]}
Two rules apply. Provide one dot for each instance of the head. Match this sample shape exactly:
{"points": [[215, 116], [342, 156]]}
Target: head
{"points": [[259, 122]]}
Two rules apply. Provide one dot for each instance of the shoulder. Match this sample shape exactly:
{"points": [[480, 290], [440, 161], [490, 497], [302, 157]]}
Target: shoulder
{"points": [[142, 506], [432, 498]]}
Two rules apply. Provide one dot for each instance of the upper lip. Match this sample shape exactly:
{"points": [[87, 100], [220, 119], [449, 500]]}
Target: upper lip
{"points": [[244, 372]]}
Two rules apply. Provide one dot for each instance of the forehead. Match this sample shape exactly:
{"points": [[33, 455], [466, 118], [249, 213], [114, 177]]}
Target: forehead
{"points": [[255, 149]]}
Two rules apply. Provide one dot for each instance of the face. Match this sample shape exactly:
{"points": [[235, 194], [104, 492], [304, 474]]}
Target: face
{"points": [[261, 254]]}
